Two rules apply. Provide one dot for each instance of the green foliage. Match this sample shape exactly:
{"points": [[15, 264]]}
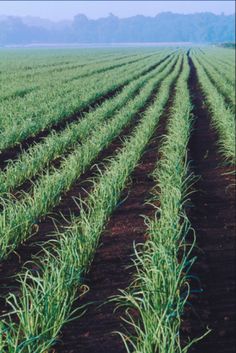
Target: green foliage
{"points": [[19, 218], [160, 287], [222, 116], [225, 88], [26, 116], [49, 285], [30, 162], [47, 295]]}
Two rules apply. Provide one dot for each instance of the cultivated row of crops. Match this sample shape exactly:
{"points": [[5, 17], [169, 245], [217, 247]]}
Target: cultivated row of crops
{"points": [[56, 144], [52, 77], [47, 106], [124, 95], [73, 250], [225, 87], [158, 266], [21, 62], [19, 217], [223, 115]]}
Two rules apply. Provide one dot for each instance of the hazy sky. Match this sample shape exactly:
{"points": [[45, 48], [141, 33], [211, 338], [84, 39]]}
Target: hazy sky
{"points": [[58, 10]]}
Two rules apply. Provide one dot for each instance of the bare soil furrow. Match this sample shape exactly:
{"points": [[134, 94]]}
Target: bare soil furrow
{"points": [[110, 269], [213, 218]]}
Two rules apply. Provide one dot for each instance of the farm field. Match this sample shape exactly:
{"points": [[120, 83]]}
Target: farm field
{"points": [[117, 200]]}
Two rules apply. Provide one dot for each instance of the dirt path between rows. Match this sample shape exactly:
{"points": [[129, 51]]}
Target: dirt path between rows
{"points": [[213, 218], [94, 332]]}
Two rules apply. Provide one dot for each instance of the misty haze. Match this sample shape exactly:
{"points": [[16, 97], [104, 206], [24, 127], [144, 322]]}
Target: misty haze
{"points": [[50, 22], [164, 27]]}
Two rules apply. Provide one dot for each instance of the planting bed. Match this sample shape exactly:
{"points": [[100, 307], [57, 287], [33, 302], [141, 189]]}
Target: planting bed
{"points": [[213, 218], [76, 214], [112, 268]]}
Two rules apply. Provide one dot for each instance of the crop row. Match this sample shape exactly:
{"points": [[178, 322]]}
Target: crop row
{"points": [[35, 112], [27, 68], [19, 217], [65, 74], [21, 64], [222, 55], [225, 69], [47, 294], [29, 115], [26, 81], [53, 81], [38, 156], [160, 288], [222, 117], [225, 88], [34, 62]]}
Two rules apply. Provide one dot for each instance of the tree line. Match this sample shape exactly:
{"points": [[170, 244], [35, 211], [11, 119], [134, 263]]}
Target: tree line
{"points": [[164, 27]]}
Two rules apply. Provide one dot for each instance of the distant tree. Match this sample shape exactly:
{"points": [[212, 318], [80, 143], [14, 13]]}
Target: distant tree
{"points": [[164, 27]]}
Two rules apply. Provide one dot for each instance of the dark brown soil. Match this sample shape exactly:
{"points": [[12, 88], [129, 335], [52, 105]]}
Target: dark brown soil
{"points": [[13, 152], [94, 332], [213, 218]]}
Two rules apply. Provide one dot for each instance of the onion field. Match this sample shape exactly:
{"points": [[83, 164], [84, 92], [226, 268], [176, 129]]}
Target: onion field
{"points": [[117, 190]]}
